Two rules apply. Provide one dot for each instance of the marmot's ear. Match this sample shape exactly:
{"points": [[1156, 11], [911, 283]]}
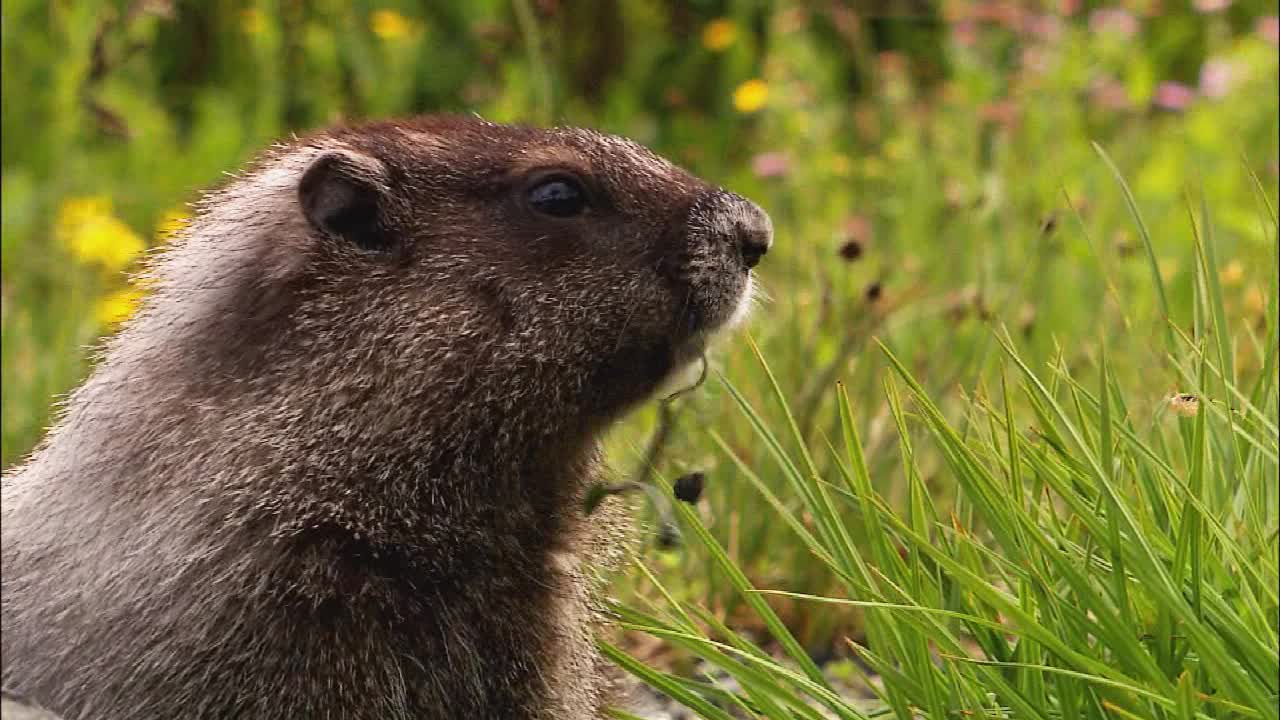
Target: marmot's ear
{"points": [[342, 194]]}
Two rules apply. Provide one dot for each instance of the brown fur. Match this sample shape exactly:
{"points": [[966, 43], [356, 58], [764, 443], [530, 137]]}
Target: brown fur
{"points": [[317, 480]]}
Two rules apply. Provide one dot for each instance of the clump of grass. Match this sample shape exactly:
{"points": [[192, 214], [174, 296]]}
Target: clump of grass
{"points": [[1095, 563]]}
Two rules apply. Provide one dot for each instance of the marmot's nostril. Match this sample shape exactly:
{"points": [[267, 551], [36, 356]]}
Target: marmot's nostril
{"points": [[753, 243], [730, 222], [755, 233]]}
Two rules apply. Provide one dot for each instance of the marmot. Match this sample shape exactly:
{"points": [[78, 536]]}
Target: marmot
{"points": [[334, 467]]}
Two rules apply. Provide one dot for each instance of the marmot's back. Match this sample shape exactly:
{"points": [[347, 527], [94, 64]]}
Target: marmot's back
{"points": [[335, 466]]}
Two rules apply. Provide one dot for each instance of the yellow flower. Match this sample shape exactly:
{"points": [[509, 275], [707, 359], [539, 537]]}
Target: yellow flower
{"points": [[106, 241], [94, 235], [252, 21], [119, 306], [1232, 274], [170, 224], [751, 96], [719, 34], [77, 210], [389, 24]]}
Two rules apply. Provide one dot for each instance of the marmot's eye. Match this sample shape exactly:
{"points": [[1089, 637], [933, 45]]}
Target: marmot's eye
{"points": [[558, 196]]}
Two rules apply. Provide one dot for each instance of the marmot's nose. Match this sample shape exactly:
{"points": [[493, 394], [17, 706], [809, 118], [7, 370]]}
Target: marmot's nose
{"points": [[752, 229]]}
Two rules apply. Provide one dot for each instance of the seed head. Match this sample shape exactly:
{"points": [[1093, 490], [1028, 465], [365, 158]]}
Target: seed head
{"points": [[688, 488], [1184, 404]]}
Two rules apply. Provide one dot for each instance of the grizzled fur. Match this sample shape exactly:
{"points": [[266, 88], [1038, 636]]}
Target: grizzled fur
{"points": [[323, 479]]}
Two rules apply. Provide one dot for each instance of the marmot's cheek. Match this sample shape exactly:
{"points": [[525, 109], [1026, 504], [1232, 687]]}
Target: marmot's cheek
{"points": [[746, 300]]}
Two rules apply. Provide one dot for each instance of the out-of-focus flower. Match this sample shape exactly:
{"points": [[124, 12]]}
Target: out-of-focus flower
{"points": [[1215, 78], [1069, 7], [1269, 29], [964, 32], [389, 24], [1168, 268], [1210, 6], [1001, 112], [95, 236], [1035, 60], [858, 227], [1043, 27], [770, 165], [252, 21], [751, 96], [1232, 274], [1108, 93], [118, 306], [719, 34], [1174, 96], [1006, 14], [78, 210], [1116, 20], [171, 223]]}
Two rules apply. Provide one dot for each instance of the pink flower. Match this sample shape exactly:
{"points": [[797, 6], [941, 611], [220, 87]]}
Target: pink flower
{"points": [[964, 32], [1211, 6], [858, 227], [770, 165], [1001, 112], [1174, 96], [1069, 7], [1269, 29], [1116, 20], [1034, 59], [1044, 27], [1215, 78], [1006, 14], [1107, 93]]}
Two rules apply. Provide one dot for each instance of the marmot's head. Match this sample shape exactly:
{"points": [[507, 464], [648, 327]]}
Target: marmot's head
{"points": [[508, 248]]}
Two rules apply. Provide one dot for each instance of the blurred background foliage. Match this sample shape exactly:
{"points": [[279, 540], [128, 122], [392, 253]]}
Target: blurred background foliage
{"points": [[928, 166]]}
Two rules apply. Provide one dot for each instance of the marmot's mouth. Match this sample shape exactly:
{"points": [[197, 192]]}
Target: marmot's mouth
{"points": [[710, 313], [700, 325]]}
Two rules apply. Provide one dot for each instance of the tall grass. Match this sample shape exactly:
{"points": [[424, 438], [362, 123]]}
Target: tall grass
{"points": [[1096, 561]]}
